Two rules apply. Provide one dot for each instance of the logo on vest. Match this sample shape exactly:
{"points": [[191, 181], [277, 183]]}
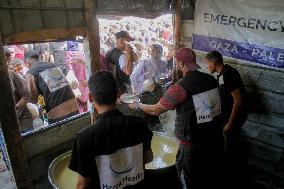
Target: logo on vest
{"points": [[121, 168], [54, 79], [207, 105]]}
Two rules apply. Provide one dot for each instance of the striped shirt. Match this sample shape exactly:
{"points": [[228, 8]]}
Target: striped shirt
{"points": [[174, 96]]}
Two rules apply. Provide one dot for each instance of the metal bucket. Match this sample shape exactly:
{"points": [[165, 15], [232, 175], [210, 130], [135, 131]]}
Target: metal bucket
{"points": [[162, 173]]}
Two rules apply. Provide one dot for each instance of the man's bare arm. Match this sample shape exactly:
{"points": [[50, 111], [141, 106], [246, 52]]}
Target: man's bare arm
{"points": [[82, 182], [155, 109], [236, 94], [128, 68], [148, 156], [32, 88]]}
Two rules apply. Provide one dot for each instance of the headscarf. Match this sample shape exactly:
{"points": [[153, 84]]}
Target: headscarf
{"points": [[146, 69], [155, 65], [75, 56], [160, 50]]}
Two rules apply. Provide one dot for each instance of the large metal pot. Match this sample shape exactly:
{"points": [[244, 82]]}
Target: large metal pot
{"points": [[162, 171]]}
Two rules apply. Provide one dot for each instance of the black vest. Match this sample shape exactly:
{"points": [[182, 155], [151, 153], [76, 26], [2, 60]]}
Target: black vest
{"points": [[123, 80], [52, 84], [186, 126]]}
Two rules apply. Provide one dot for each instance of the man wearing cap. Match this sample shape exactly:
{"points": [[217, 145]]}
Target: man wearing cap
{"points": [[198, 126], [121, 62], [47, 79]]}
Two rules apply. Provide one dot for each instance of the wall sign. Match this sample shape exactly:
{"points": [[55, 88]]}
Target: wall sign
{"points": [[247, 30]]}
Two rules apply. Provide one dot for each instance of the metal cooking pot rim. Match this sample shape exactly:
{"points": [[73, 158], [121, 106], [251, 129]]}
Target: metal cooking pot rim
{"points": [[53, 165], [67, 154], [132, 97]]}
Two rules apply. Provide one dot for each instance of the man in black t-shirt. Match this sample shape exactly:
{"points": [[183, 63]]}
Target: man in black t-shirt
{"points": [[112, 152], [120, 60], [233, 109]]}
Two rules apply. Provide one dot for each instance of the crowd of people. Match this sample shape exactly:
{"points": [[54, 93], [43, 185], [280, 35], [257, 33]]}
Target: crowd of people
{"points": [[144, 32]]}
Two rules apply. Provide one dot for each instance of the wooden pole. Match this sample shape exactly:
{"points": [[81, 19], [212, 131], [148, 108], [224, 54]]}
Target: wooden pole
{"points": [[177, 34], [45, 35], [10, 128], [93, 34], [177, 24]]}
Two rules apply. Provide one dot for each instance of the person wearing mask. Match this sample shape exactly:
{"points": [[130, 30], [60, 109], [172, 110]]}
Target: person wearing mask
{"points": [[49, 81], [21, 97], [149, 68], [234, 113], [198, 125], [116, 147], [120, 60]]}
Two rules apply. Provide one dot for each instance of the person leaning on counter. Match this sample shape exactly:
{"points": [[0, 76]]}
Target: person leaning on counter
{"points": [[198, 125]]}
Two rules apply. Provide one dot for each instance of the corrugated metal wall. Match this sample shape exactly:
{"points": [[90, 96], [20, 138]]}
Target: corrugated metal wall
{"points": [[30, 15]]}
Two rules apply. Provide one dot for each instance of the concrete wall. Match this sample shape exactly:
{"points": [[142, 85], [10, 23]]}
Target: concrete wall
{"points": [[264, 129], [43, 146], [187, 32]]}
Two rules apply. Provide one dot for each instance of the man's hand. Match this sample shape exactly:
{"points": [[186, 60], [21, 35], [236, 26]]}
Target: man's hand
{"points": [[74, 85], [118, 101], [128, 50], [85, 83], [228, 128], [20, 105], [134, 106], [82, 182]]}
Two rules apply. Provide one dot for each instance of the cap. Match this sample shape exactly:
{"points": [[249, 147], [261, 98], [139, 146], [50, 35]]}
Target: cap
{"points": [[19, 56], [123, 34], [188, 57]]}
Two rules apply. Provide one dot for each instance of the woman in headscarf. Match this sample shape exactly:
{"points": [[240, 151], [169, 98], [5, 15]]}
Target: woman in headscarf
{"points": [[146, 69], [77, 64]]}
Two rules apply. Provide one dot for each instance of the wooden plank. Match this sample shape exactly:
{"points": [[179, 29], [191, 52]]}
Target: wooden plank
{"points": [[66, 13], [46, 35], [10, 128], [42, 15], [40, 8], [12, 17], [177, 34], [177, 25], [93, 34]]}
